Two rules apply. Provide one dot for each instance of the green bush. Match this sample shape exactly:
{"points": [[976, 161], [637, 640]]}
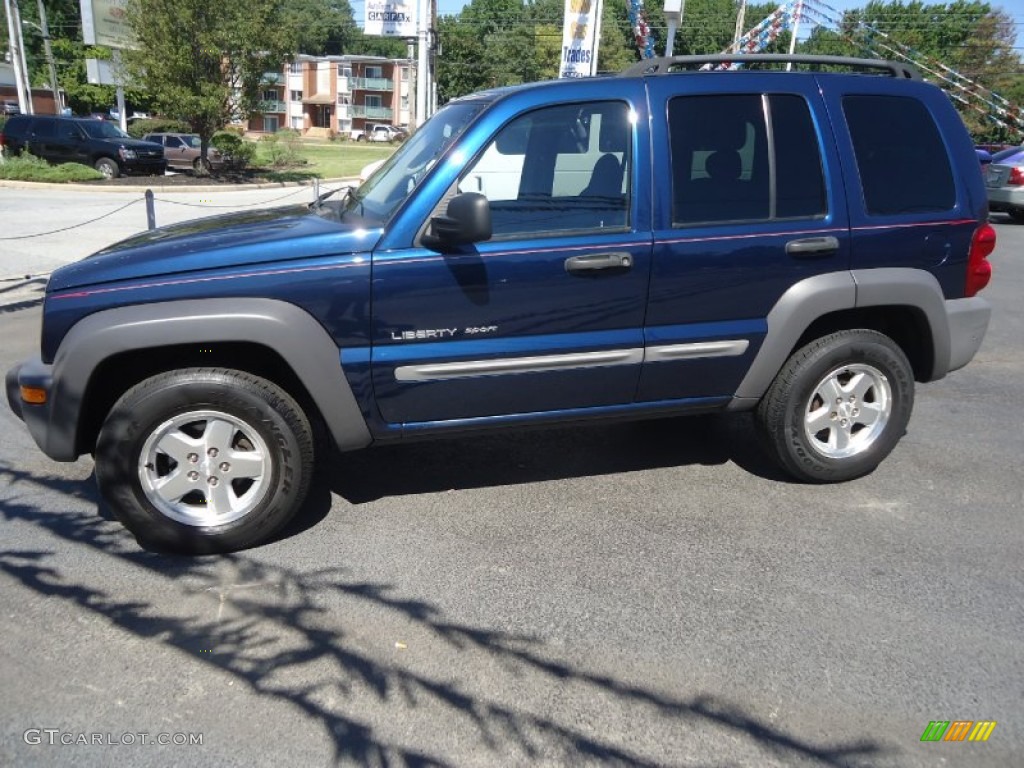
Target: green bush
{"points": [[238, 153], [283, 149], [139, 128], [31, 168]]}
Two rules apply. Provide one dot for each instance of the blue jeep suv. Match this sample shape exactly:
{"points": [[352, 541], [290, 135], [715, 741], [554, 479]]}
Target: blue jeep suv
{"points": [[677, 239]]}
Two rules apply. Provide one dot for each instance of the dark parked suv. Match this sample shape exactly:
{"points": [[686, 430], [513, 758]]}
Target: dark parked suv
{"points": [[96, 143], [802, 245]]}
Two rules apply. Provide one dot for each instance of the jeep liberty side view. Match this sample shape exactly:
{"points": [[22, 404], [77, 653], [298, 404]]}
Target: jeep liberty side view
{"points": [[804, 245]]}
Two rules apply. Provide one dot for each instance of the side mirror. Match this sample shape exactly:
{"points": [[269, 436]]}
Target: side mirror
{"points": [[467, 220]]}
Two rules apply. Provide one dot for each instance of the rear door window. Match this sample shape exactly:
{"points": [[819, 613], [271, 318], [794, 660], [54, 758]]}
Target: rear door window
{"points": [[727, 166], [901, 159]]}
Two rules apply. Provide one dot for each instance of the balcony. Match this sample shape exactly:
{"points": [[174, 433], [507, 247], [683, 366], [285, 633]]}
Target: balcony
{"points": [[372, 84], [372, 113], [272, 106], [272, 78]]}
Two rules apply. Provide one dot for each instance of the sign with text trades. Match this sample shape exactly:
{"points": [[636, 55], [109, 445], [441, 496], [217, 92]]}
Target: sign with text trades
{"points": [[103, 23], [390, 18], [580, 37]]}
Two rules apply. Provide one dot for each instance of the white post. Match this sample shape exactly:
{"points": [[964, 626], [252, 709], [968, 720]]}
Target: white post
{"points": [[12, 42], [673, 16], [797, 12], [17, 45], [122, 118], [598, 13]]}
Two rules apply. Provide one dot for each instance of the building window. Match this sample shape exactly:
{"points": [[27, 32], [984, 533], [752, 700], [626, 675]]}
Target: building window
{"points": [[270, 124], [270, 94], [373, 101], [297, 123], [295, 68], [374, 71], [405, 74], [296, 95]]}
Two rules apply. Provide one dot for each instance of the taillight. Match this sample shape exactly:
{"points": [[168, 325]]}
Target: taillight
{"points": [[979, 271], [1016, 176]]}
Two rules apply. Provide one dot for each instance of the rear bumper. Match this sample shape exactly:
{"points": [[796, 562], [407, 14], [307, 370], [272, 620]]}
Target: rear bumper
{"points": [[1005, 198], [968, 322]]}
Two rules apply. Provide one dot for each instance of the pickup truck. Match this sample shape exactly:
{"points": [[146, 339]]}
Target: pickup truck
{"points": [[380, 132], [672, 240]]}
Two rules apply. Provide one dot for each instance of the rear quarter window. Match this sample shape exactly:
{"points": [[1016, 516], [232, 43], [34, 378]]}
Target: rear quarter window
{"points": [[901, 158]]}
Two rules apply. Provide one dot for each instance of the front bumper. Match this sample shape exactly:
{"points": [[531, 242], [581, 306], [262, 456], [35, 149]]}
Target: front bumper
{"points": [[55, 439], [144, 166]]}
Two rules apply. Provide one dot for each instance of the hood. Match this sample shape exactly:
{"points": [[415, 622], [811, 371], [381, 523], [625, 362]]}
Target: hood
{"points": [[216, 242]]}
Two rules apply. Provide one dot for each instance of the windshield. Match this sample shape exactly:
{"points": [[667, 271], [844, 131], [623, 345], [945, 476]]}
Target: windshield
{"points": [[100, 129], [382, 193]]}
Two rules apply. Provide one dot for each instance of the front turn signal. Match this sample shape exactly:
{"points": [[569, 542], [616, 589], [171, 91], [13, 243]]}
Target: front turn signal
{"points": [[33, 395]]}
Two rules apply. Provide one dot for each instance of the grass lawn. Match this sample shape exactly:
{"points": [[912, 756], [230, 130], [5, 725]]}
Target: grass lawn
{"points": [[328, 160]]}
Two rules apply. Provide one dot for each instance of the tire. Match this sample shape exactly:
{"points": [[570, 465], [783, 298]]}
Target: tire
{"points": [[1017, 214], [201, 167], [249, 441], [107, 167], [869, 374]]}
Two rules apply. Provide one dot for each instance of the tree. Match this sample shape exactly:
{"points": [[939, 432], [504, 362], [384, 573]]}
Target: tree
{"points": [[968, 37], [203, 62], [322, 26]]}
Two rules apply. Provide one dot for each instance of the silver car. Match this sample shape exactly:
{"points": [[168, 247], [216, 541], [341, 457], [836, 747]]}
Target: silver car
{"points": [[1004, 179]]}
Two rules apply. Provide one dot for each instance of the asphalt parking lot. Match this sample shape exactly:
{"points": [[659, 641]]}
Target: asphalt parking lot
{"points": [[641, 594]]}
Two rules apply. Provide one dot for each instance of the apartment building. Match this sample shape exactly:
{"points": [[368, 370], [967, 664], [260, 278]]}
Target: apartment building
{"points": [[316, 95]]}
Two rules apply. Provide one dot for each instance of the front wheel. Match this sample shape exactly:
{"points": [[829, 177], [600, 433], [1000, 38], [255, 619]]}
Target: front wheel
{"points": [[108, 168], [204, 460], [838, 406]]}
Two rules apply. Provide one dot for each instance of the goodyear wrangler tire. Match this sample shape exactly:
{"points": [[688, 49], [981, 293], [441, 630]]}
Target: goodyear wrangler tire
{"points": [[204, 460], [838, 406]]}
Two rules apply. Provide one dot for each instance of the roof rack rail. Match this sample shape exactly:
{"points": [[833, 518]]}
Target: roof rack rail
{"points": [[666, 64]]}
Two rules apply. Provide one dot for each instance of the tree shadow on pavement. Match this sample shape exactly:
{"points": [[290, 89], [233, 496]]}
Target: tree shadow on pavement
{"points": [[290, 635]]}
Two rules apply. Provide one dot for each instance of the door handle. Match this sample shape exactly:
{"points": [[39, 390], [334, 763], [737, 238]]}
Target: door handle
{"points": [[812, 246], [597, 261]]}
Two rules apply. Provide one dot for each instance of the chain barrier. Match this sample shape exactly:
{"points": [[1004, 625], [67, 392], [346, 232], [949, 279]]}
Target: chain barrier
{"points": [[157, 199]]}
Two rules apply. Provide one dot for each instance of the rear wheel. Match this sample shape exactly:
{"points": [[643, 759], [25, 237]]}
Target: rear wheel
{"points": [[107, 167], [204, 460], [838, 406], [1017, 214], [201, 167]]}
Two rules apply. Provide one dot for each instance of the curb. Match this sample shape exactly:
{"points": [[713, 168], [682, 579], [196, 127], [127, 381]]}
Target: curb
{"points": [[164, 188]]}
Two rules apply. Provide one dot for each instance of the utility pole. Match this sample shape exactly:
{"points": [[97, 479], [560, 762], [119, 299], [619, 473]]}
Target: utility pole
{"points": [[58, 104], [422, 62]]}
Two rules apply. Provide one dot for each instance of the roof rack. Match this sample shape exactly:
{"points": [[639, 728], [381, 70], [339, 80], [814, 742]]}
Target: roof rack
{"points": [[667, 64]]}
